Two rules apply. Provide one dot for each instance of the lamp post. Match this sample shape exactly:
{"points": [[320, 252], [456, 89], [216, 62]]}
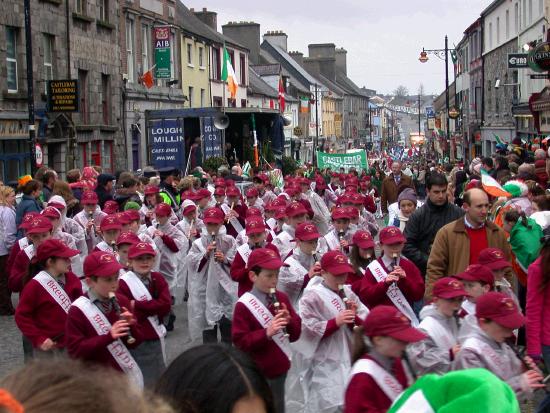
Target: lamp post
{"points": [[443, 54]]}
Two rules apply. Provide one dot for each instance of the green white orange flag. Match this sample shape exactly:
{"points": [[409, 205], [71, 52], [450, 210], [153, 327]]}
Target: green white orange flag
{"points": [[228, 74], [491, 186], [497, 138]]}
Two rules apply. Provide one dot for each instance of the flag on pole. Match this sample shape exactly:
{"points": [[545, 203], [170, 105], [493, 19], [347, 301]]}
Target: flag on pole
{"points": [[147, 78], [228, 74], [246, 170], [491, 186], [497, 138], [281, 95]]}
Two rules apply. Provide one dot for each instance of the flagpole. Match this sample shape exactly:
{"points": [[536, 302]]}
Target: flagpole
{"points": [[223, 97]]}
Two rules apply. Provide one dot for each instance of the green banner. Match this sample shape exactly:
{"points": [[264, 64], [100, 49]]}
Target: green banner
{"points": [[162, 64], [335, 161]]}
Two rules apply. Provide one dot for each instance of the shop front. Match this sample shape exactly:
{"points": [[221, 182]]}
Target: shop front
{"points": [[15, 159]]}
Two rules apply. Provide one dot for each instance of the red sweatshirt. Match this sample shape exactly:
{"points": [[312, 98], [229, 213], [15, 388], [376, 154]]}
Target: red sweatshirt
{"points": [[39, 316], [363, 395], [373, 293], [84, 343], [159, 306], [239, 272], [250, 337], [18, 270]]}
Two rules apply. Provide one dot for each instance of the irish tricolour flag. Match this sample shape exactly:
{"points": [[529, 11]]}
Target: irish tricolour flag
{"points": [[228, 74], [491, 186]]}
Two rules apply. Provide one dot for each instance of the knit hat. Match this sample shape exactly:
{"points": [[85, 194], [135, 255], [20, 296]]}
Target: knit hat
{"points": [[516, 188], [407, 194], [131, 205], [471, 390]]}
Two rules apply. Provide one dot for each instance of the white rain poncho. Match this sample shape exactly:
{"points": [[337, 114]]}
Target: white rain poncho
{"points": [[92, 238], [321, 213], [285, 240], [291, 279], [70, 226], [321, 366], [212, 292]]}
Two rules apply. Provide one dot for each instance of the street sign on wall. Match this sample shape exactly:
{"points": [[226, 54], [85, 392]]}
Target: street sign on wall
{"points": [[161, 35], [517, 61], [62, 95]]}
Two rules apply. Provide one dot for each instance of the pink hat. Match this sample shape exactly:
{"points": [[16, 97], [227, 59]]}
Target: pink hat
{"points": [[110, 207], [493, 258], [265, 258], [363, 239], [127, 237], [252, 193], [253, 212], [255, 225], [477, 272], [340, 213], [219, 191], [133, 215], [151, 190], [232, 191], [28, 218], [295, 209], [448, 287], [39, 225], [501, 309], [110, 222]]}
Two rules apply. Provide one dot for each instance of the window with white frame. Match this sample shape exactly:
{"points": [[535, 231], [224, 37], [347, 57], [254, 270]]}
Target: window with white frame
{"points": [[201, 56], [145, 45], [507, 27], [80, 6], [190, 96], [130, 42], [11, 58], [48, 45], [202, 98], [103, 6], [189, 54]]}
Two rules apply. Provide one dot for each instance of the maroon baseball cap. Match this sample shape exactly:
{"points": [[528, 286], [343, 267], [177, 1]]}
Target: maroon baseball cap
{"points": [[189, 194], [388, 321], [295, 209], [252, 192], [232, 191], [280, 202], [363, 239], [57, 205], [340, 213], [110, 207], [358, 199], [89, 198], [292, 191], [219, 191], [346, 198], [51, 212], [127, 237], [101, 264], [139, 249], [163, 210], [320, 184], [253, 212], [336, 263], [280, 212], [188, 206], [493, 258], [213, 216], [255, 225], [39, 225], [110, 222], [352, 211], [28, 218], [477, 272], [391, 235], [219, 183], [151, 190], [306, 231], [122, 218], [265, 258], [448, 287], [54, 248], [132, 215], [501, 309], [203, 193]]}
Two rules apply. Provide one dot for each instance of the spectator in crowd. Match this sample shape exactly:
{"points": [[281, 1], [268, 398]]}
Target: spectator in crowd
{"points": [[8, 232], [541, 210], [29, 203], [393, 185], [64, 190], [48, 181], [104, 189]]}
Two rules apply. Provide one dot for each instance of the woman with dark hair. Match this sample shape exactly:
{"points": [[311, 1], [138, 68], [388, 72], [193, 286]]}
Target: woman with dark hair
{"points": [[213, 378], [29, 203]]}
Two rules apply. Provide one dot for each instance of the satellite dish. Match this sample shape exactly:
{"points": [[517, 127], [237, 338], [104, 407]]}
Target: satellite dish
{"points": [[287, 120], [221, 121]]}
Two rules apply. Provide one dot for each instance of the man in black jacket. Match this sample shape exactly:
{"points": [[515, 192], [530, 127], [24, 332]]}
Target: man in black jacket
{"points": [[104, 189], [428, 219]]}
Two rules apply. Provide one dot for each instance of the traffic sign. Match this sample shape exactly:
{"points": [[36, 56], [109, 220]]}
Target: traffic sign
{"points": [[39, 155]]}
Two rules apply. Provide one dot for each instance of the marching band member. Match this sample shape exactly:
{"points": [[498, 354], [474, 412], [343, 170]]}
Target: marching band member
{"points": [[235, 212], [361, 255], [149, 296], [296, 214], [69, 225], [212, 292], [265, 322], [191, 226], [262, 184], [90, 218], [495, 260], [219, 196], [441, 324], [123, 243], [321, 213], [152, 199], [100, 328], [339, 237], [251, 212], [478, 280], [379, 375], [253, 199], [48, 292], [497, 316], [302, 264], [392, 279], [256, 237], [110, 230], [21, 243]]}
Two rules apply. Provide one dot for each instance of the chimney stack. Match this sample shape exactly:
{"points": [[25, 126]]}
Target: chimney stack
{"points": [[298, 57], [277, 38], [341, 60], [210, 18], [247, 34]]}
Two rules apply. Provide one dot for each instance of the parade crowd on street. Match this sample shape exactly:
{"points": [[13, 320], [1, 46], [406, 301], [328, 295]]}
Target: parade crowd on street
{"points": [[411, 286]]}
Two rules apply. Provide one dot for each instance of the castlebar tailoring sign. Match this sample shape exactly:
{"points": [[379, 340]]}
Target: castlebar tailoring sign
{"points": [[335, 161], [62, 95], [167, 143], [162, 52]]}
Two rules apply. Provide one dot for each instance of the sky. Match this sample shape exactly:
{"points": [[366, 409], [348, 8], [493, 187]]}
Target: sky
{"points": [[383, 38]]}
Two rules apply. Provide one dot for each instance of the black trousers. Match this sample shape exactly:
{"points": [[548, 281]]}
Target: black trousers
{"points": [[211, 336]]}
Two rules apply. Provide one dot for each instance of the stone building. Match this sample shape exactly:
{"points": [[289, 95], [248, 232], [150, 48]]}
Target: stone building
{"points": [[88, 51]]}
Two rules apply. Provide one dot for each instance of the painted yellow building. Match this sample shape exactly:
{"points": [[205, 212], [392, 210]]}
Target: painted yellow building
{"points": [[194, 71]]}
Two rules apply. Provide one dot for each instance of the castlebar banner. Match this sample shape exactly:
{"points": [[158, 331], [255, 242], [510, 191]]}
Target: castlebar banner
{"points": [[335, 161]]}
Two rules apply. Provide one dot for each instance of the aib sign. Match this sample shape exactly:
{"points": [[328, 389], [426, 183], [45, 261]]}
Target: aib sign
{"points": [[517, 60]]}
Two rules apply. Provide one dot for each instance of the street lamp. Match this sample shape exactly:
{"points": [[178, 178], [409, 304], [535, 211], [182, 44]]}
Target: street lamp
{"points": [[443, 54]]}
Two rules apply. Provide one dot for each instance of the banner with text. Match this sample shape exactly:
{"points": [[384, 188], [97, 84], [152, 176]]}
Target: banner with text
{"points": [[163, 66], [212, 138], [167, 143], [335, 161]]}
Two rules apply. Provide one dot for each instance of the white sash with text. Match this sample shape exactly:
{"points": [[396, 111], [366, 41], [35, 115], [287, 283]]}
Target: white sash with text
{"points": [[54, 289], [389, 385]]}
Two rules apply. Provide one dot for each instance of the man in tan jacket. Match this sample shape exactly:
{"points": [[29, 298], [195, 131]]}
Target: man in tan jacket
{"points": [[392, 185], [457, 244]]}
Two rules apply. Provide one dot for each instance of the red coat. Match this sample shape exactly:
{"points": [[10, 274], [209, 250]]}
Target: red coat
{"points": [[11, 258], [159, 305], [84, 343], [239, 272], [363, 395], [18, 270], [374, 292], [249, 336], [39, 316]]}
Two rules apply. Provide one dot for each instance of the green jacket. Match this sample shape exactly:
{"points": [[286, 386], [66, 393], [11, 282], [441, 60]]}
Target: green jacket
{"points": [[525, 242]]}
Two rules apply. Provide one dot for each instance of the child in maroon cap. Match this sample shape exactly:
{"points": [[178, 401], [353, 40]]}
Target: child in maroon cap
{"points": [[47, 296], [265, 322], [339, 237], [478, 280], [296, 214], [90, 218], [485, 346], [109, 229], [253, 199], [99, 325], [393, 279], [212, 292], [303, 263], [495, 260], [234, 210], [149, 295], [361, 255], [440, 323], [256, 234], [378, 374], [329, 311]]}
